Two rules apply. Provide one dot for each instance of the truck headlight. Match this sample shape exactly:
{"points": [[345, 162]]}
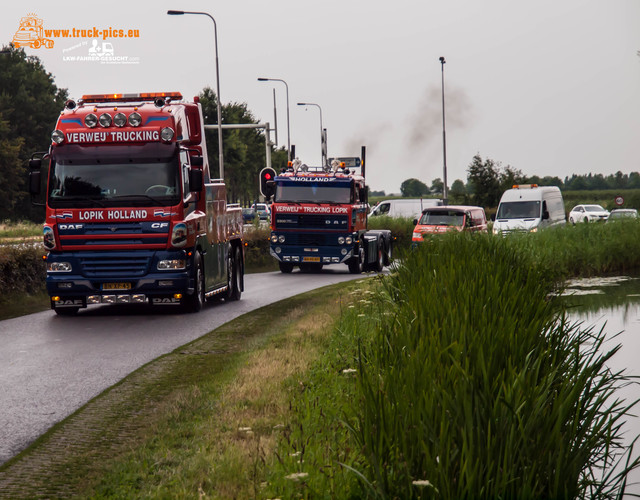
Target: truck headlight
{"points": [[281, 238], [105, 120], [91, 120], [340, 240], [274, 238], [135, 119], [348, 240], [172, 264], [58, 267], [120, 120], [166, 134], [57, 136]]}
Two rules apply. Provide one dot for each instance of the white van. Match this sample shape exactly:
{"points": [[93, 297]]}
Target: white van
{"points": [[529, 207], [410, 208]]}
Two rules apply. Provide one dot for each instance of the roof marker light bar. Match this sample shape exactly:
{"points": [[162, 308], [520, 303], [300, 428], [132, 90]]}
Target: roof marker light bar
{"points": [[142, 96]]}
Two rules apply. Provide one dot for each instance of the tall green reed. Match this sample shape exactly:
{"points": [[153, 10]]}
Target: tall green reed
{"points": [[475, 386]]}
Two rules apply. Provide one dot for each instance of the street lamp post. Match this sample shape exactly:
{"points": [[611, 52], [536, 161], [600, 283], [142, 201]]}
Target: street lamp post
{"points": [[219, 107], [445, 200], [322, 152], [288, 130]]}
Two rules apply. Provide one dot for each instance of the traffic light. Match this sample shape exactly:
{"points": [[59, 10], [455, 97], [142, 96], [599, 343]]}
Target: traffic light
{"points": [[267, 182]]}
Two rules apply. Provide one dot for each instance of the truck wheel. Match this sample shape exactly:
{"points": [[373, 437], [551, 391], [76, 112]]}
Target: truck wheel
{"points": [[195, 301], [234, 270], [388, 255], [285, 267], [356, 263], [379, 264]]}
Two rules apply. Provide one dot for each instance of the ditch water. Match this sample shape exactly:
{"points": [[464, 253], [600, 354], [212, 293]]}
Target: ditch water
{"points": [[613, 304]]}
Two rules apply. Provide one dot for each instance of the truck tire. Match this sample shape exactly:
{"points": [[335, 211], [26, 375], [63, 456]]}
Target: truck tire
{"points": [[356, 264], [234, 274], [388, 255], [195, 301], [285, 267], [378, 265]]}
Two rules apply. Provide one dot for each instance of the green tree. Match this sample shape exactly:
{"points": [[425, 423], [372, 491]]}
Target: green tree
{"points": [[413, 187], [458, 193], [484, 177], [30, 104], [437, 186]]}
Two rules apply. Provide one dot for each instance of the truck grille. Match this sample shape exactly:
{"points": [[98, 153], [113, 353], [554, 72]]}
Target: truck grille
{"points": [[112, 266]]}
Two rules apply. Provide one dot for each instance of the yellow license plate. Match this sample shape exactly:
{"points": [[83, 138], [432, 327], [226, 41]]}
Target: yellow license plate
{"points": [[116, 286], [310, 259]]}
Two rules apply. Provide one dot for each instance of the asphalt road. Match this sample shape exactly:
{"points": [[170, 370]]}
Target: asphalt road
{"points": [[52, 365]]}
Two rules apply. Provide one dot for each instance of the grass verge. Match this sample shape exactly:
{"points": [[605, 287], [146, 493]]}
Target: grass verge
{"points": [[201, 421]]}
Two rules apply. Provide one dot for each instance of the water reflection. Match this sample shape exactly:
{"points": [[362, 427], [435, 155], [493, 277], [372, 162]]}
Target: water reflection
{"points": [[613, 303]]}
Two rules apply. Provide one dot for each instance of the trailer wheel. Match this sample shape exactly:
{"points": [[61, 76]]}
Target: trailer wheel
{"points": [[234, 270], [194, 302], [285, 267], [356, 263]]}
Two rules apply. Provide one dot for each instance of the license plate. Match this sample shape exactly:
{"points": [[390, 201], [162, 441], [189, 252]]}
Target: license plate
{"points": [[310, 259], [116, 286]]}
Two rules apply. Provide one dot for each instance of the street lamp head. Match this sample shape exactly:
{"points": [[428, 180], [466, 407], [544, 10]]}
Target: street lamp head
{"points": [[263, 79], [442, 60], [302, 104], [175, 12]]}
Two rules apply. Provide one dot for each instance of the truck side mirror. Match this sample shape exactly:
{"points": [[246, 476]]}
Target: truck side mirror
{"points": [[195, 180], [415, 222], [545, 215], [197, 161], [35, 163], [34, 181]]}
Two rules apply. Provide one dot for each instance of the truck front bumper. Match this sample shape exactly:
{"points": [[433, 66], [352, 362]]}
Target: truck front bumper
{"points": [[319, 255], [118, 278]]}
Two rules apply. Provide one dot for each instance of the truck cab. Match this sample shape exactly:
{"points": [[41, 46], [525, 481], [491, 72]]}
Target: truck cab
{"points": [[319, 217]]}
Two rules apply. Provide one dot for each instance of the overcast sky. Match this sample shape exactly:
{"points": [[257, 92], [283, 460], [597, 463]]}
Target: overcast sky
{"points": [[550, 87]]}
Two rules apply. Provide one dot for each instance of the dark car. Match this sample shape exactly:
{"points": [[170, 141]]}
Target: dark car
{"points": [[248, 215]]}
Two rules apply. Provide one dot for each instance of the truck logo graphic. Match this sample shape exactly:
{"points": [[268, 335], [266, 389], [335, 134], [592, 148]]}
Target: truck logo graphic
{"points": [[31, 33]]}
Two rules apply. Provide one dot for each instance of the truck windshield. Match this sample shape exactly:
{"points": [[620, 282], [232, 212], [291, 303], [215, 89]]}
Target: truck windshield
{"points": [[313, 192], [519, 210], [442, 218], [147, 182]]}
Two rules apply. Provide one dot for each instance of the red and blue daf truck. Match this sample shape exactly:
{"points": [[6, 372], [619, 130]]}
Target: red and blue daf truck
{"points": [[319, 217], [132, 214]]}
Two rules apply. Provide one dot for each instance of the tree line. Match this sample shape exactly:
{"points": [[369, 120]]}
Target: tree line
{"points": [[30, 103], [487, 179]]}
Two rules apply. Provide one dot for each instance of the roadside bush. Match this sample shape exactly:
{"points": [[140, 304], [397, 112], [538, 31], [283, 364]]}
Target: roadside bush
{"points": [[21, 270]]}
